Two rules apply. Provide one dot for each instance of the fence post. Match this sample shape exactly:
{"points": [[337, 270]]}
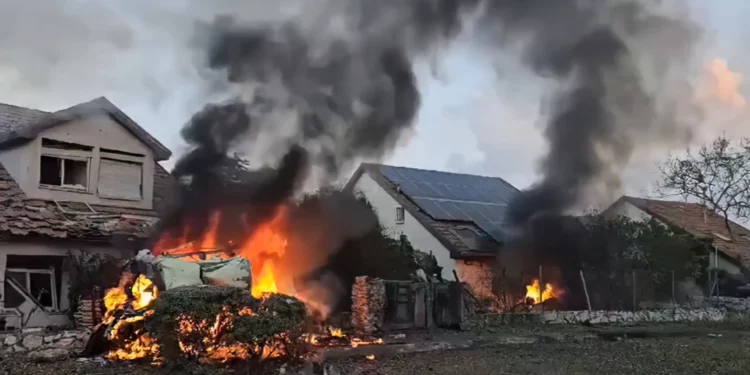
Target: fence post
{"points": [[585, 290], [635, 306], [674, 298]]}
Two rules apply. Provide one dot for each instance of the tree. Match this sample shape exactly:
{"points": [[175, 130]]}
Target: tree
{"points": [[718, 176], [617, 247]]}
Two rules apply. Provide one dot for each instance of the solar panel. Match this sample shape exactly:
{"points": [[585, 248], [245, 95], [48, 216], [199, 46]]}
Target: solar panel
{"points": [[432, 208], [456, 197], [495, 230]]}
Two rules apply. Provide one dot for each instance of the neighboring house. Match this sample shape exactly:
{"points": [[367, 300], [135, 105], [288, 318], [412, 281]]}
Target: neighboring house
{"points": [[457, 217], [85, 178], [732, 249]]}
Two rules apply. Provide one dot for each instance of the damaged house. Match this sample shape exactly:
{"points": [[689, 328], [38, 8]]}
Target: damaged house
{"points": [[85, 178], [457, 217]]}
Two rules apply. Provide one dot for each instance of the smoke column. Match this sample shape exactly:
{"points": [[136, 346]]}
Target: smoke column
{"points": [[343, 88], [324, 94]]}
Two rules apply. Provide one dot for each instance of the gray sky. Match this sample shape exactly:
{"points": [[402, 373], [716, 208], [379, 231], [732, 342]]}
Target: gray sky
{"points": [[56, 53]]}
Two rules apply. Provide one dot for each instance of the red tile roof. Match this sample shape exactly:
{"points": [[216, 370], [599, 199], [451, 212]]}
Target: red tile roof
{"points": [[701, 222]]}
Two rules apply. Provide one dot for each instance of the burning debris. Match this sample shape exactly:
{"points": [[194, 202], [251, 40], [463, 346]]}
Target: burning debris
{"points": [[204, 310], [535, 294]]}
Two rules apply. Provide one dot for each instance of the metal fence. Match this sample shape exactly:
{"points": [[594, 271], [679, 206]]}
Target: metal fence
{"points": [[595, 289]]}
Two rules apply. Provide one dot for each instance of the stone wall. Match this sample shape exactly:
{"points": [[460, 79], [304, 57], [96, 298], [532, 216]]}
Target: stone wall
{"points": [[731, 304], [710, 314], [39, 345], [624, 317]]}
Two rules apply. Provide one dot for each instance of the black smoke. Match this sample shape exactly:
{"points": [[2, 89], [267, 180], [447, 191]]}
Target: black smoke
{"points": [[332, 96], [604, 105]]}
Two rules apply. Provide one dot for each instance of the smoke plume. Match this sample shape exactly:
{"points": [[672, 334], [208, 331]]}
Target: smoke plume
{"points": [[344, 89], [604, 105]]}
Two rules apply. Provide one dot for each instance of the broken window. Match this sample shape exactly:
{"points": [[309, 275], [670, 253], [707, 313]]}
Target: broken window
{"points": [[38, 276], [120, 179], [72, 173], [12, 298], [38, 283]]}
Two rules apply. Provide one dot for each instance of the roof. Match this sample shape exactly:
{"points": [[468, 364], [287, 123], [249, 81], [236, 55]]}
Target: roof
{"points": [[19, 125], [701, 222], [444, 202], [22, 217]]}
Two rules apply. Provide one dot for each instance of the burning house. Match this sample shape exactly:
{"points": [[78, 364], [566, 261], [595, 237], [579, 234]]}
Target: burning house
{"points": [[86, 179]]}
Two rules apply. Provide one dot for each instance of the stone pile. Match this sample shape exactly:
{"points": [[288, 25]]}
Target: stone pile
{"points": [[42, 346], [368, 304]]}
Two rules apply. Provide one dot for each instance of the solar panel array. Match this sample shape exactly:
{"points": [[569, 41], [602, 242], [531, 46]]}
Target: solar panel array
{"points": [[456, 197]]}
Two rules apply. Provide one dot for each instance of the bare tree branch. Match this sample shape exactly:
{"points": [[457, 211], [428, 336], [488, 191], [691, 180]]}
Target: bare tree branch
{"points": [[718, 176]]}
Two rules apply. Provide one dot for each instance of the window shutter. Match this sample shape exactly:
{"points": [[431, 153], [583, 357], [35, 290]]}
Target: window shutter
{"points": [[120, 179]]}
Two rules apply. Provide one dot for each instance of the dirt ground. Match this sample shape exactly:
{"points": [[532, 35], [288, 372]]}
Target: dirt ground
{"points": [[630, 356], [664, 349]]}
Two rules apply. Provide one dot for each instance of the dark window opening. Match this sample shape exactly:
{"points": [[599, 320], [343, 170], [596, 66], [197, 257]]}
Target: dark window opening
{"points": [[75, 172], [69, 173], [12, 298], [51, 143], [40, 287], [50, 171]]}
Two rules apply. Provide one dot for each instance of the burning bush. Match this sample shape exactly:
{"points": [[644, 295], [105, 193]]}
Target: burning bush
{"points": [[221, 324]]}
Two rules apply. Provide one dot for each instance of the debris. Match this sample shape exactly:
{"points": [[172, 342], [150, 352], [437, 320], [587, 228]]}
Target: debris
{"points": [[49, 355], [33, 341]]}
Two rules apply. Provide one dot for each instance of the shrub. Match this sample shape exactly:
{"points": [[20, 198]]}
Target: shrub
{"points": [[221, 323]]}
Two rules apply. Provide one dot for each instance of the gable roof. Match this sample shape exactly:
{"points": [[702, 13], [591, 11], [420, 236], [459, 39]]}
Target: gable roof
{"points": [[21, 217], [19, 125], [701, 222], [442, 224]]}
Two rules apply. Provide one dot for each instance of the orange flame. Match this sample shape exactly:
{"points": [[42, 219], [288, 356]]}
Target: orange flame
{"points": [[534, 290]]}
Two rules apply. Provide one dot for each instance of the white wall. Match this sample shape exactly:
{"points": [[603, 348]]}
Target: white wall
{"points": [[420, 237], [629, 210], [46, 249], [99, 132]]}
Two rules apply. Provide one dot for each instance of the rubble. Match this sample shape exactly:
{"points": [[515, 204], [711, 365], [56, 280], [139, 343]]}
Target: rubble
{"points": [[44, 346], [368, 304]]}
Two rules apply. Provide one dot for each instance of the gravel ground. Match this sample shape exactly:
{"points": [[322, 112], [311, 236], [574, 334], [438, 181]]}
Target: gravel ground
{"points": [[699, 354], [641, 356]]}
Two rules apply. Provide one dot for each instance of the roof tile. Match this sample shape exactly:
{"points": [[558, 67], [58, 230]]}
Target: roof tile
{"points": [[701, 222]]}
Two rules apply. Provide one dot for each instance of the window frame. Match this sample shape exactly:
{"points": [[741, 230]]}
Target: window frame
{"points": [[400, 211], [53, 286], [63, 157]]}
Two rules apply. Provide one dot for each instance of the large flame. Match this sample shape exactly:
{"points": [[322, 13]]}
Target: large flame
{"points": [[265, 248], [534, 292]]}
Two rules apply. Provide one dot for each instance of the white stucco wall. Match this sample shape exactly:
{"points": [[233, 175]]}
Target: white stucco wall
{"points": [[98, 132], [420, 237], [629, 210], [47, 249]]}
